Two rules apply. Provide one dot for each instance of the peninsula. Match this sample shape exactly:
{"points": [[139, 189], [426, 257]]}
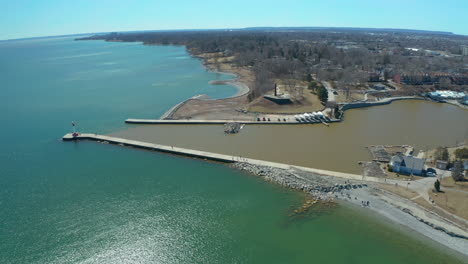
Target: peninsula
{"points": [[310, 76], [304, 70]]}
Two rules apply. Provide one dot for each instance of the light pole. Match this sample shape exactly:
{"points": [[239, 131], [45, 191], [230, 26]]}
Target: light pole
{"points": [[75, 134]]}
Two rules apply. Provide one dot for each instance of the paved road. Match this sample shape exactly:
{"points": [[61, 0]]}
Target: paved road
{"points": [[331, 96], [454, 190]]}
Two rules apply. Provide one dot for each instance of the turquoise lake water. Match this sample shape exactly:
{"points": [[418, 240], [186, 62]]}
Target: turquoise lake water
{"points": [[93, 203]]}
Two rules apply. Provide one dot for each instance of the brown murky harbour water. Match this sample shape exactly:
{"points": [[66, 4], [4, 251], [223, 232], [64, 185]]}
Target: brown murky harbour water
{"points": [[338, 147]]}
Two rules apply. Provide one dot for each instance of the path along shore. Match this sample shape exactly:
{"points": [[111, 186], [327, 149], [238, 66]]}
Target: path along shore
{"points": [[325, 185]]}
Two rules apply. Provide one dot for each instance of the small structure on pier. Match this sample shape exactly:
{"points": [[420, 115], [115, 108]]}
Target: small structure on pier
{"points": [[278, 98], [74, 134]]}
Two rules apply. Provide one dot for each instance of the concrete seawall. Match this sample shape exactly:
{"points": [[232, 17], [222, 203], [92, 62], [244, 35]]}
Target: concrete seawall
{"points": [[214, 156], [382, 102], [165, 119]]}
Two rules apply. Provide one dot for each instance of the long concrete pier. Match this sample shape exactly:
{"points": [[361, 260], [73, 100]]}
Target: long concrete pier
{"points": [[212, 156], [219, 122]]}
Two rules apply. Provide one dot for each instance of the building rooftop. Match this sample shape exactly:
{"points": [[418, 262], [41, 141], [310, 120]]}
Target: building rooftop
{"points": [[447, 94], [408, 161]]}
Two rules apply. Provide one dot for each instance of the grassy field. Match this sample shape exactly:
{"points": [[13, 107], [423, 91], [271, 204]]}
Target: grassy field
{"points": [[453, 198], [430, 153], [354, 96], [455, 202], [399, 190]]}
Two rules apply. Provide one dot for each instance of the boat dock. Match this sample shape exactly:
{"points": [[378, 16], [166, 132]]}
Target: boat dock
{"points": [[210, 156]]}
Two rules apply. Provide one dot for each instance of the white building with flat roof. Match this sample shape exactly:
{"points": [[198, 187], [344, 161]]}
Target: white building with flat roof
{"points": [[464, 50], [447, 95]]}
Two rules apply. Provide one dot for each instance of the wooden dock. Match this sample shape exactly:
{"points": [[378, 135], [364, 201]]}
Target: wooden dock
{"points": [[210, 156]]}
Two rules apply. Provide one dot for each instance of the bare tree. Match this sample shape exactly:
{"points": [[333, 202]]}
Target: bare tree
{"points": [[457, 171]]}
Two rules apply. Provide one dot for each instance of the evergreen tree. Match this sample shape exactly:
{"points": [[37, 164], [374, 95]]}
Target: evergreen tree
{"points": [[437, 185]]}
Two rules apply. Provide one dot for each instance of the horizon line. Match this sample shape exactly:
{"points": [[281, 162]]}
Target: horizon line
{"points": [[239, 28]]}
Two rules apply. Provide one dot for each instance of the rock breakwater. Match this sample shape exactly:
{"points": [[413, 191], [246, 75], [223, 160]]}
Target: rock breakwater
{"points": [[324, 188]]}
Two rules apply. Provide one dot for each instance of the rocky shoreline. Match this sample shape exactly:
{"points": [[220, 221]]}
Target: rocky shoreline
{"points": [[369, 196], [324, 188]]}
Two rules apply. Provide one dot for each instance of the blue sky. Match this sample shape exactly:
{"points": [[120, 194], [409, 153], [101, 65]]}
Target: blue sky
{"points": [[31, 18]]}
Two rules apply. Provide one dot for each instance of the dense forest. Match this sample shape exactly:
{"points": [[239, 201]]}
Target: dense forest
{"points": [[346, 57]]}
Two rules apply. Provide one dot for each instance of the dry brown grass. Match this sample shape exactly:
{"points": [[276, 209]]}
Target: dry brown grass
{"points": [[450, 183], [430, 153], [399, 190], [452, 201], [460, 210], [222, 108], [214, 60], [354, 96], [403, 177], [393, 150]]}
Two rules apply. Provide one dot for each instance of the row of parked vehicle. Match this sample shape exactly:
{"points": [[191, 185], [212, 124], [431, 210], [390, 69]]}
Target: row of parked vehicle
{"points": [[311, 117], [305, 118], [268, 119]]}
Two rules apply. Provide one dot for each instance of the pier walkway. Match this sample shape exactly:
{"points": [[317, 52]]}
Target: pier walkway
{"points": [[221, 122], [213, 156], [202, 122]]}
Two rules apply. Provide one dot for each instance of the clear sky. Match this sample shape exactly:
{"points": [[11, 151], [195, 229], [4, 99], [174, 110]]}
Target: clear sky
{"points": [[31, 18]]}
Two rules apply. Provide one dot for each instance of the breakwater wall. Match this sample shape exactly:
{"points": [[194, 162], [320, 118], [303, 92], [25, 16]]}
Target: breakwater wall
{"points": [[214, 156], [168, 114]]}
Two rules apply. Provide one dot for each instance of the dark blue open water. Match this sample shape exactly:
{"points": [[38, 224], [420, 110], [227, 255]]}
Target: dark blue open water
{"points": [[91, 203]]}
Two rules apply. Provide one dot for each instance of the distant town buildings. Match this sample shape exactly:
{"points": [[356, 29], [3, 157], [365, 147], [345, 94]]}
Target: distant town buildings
{"points": [[464, 50], [430, 78], [379, 87], [374, 77]]}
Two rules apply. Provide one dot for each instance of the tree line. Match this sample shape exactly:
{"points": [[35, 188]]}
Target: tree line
{"points": [[346, 58]]}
